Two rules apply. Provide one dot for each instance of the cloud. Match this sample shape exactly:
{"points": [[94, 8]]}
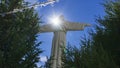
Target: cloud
{"points": [[43, 59]]}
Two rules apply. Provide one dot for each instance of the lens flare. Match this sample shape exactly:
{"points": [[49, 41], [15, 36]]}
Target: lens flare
{"points": [[55, 20]]}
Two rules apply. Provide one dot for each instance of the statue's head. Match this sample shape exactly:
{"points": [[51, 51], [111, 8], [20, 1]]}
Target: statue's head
{"points": [[61, 17]]}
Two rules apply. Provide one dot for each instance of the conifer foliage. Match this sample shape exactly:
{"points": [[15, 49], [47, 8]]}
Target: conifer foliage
{"points": [[18, 32], [87, 56], [108, 30]]}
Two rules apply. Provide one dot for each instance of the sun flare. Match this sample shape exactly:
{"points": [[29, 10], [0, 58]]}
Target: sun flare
{"points": [[55, 20]]}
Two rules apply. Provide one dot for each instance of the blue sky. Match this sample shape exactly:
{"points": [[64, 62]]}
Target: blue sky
{"points": [[84, 11]]}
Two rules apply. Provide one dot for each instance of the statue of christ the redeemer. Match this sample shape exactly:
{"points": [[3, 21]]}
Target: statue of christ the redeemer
{"points": [[59, 39]]}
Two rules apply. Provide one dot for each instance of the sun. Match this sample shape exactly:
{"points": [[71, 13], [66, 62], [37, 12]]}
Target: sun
{"points": [[55, 20]]}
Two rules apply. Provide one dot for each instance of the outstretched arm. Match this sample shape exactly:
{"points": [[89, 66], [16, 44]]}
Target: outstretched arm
{"points": [[76, 26], [46, 28]]}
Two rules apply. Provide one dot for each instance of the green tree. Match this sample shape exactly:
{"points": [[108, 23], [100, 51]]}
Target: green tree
{"points": [[108, 30], [87, 56], [18, 32]]}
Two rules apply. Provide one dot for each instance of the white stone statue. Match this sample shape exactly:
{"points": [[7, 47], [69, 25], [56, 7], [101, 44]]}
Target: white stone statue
{"points": [[59, 39]]}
